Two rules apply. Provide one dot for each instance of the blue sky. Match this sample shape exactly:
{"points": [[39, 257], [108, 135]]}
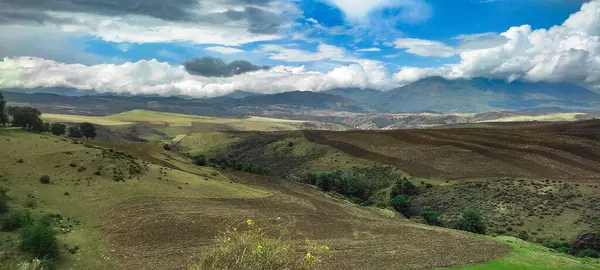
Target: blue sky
{"points": [[447, 20], [310, 45]]}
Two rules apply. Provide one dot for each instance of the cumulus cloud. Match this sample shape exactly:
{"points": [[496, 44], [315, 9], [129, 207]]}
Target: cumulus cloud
{"points": [[412, 11], [223, 50], [424, 47], [566, 53], [369, 50], [215, 67], [225, 22], [323, 52], [153, 77]]}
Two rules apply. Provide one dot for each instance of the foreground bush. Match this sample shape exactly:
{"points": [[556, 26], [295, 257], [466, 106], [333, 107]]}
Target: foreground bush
{"points": [[254, 249], [45, 179], [15, 220], [39, 239], [471, 221]]}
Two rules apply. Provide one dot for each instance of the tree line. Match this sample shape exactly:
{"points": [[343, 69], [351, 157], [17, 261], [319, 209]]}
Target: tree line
{"points": [[29, 119]]}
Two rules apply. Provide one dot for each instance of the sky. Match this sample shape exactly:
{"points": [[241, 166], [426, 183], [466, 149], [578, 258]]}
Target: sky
{"points": [[205, 48]]}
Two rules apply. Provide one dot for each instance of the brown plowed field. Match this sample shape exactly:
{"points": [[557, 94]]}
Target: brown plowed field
{"points": [[546, 151], [166, 232]]}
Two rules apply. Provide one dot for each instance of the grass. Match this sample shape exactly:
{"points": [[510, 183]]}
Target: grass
{"points": [[92, 196], [176, 120], [528, 256]]}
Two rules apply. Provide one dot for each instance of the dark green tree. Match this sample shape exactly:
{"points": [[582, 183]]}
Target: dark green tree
{"points": [[430, 216], [26, 117], [3, 116], [471, 221], [58, 129], [88, 130], [401, 204], [74, 132]]}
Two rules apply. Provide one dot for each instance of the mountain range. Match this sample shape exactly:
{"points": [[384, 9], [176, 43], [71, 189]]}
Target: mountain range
{"points": [[432, 95]]}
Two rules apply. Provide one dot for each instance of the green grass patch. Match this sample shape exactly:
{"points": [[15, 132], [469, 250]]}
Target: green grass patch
{"points": [[529, 256]]}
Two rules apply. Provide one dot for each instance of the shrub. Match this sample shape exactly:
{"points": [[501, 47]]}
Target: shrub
{"points": [[200, 160], [45, 179], [167, 147], [430, 216], [401, 204], [75, 132], [15, 220], [588, 253], [471, 221], [404, 187], [58, 129], [39, 239], [254, 249]]}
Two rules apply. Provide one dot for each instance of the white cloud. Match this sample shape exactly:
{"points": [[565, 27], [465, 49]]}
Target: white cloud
{"points": [[369, 50], [566, 53], [424, 47], [223, 50], [153, 77], [324, 52], [359, 10]]}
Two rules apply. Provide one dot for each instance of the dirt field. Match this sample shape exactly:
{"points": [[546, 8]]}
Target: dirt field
{"points": [[559, 151], [163, 232]]}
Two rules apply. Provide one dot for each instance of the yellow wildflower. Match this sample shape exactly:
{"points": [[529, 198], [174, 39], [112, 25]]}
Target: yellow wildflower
{"points": [[259, 248], [308, 256], [250, 222]]}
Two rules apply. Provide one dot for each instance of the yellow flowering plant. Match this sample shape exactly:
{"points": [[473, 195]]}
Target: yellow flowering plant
{"points": [[254, 248]]}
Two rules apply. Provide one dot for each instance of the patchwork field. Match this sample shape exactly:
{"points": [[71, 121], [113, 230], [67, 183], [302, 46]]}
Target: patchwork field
{"points": [[175, 125], [538, 179]]}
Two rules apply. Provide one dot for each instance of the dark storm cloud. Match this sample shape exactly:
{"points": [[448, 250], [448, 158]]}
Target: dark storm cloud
{"points": [[216, 67], [259, 20]]}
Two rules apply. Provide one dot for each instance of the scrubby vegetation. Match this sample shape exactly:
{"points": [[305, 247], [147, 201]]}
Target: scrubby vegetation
{"points": [[45, 179], [252, 248], [471, 221], [75, 132]]}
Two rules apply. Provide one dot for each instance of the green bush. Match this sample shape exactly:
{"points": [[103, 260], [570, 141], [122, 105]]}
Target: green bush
{"points": [[45, 179], [15, 220], [402, 205], [471, 221], [430, 216], [565, 250], [39, 239], [590, 253], [167, 147]]}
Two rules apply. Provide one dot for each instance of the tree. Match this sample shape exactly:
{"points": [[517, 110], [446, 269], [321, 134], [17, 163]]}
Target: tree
{"points": [[404, 187], [58, 129], [74, 132], [88, 130], [3, 116], [26, 117], [402, 205], [471, 221]]}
